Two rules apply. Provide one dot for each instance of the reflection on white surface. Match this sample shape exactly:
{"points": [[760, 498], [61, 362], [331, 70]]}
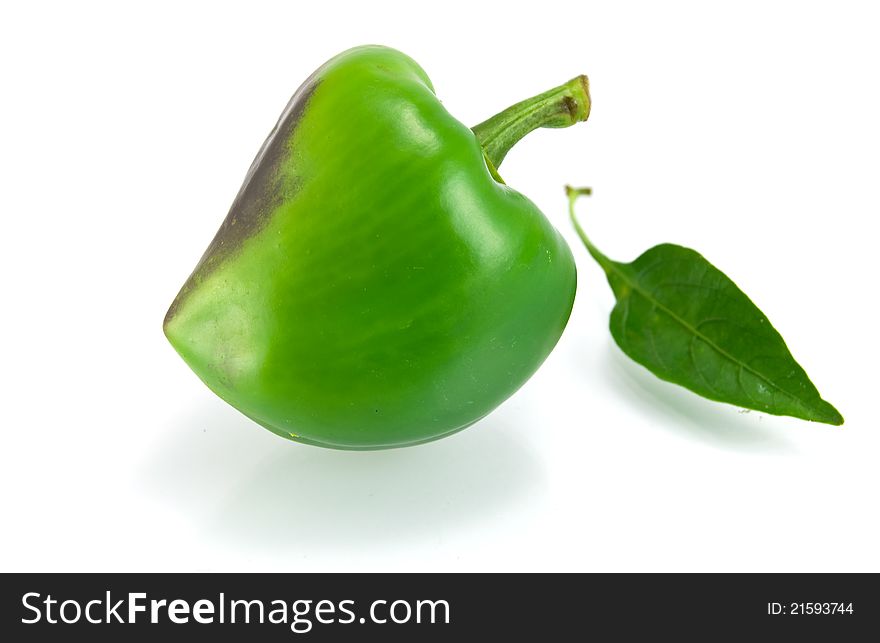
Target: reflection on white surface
{"points": [[682, 411], [241, 484]]}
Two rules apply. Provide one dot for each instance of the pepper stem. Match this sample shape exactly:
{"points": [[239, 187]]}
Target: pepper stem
{"points": [[562, 106]]}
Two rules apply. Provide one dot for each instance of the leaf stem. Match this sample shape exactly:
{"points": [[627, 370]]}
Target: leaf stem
{"points": [[573, 194]]}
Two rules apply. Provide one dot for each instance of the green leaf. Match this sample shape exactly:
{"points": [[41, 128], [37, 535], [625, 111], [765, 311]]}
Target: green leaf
{"points": [[688, 323]]}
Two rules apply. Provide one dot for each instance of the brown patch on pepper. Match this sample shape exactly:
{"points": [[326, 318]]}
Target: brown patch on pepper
{"points": [[259, 195]]}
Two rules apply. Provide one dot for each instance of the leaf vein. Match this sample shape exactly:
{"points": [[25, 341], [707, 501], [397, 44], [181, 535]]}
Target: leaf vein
{"points": [[697, 368], [656, 304]]}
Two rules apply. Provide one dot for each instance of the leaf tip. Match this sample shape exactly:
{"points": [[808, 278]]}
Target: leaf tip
{"points": [[829, 415]]}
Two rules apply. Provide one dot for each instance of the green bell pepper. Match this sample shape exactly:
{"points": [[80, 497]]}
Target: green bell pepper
{"points": [[375, 284]]}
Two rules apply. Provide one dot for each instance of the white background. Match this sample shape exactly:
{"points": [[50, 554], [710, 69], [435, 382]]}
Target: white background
{"points": [[749, 132]]}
